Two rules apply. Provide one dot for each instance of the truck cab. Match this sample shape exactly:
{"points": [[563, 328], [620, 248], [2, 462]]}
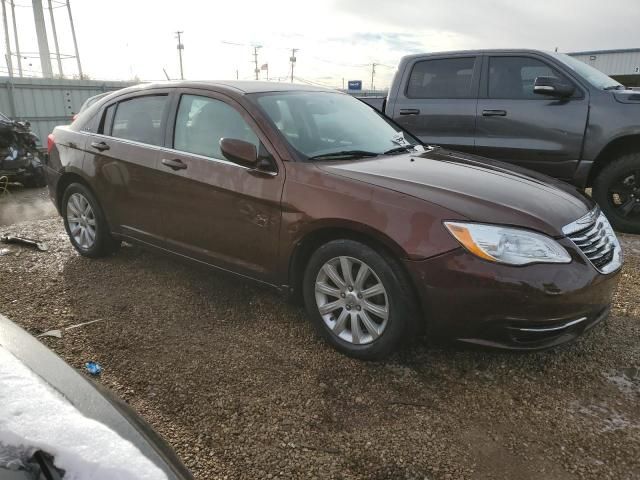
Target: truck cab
{"points": [[540, 110]]}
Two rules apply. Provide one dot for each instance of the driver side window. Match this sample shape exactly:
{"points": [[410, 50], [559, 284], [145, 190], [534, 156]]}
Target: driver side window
{"points": [[201, 123]]}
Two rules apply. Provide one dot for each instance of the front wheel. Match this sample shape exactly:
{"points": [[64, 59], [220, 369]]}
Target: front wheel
{"points": [[358, 299], [617, 190]]}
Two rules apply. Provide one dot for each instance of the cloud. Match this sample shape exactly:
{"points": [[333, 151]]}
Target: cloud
{"points": [[544, 24]]}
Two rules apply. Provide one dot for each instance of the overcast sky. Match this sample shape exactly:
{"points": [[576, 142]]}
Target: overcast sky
{"points": [[337, 39]]}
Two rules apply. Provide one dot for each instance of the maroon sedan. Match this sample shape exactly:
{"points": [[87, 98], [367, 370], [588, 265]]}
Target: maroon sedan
{"points": [[313, 192]]}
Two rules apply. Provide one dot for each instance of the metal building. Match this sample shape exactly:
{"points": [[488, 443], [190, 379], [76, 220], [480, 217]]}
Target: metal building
{"points": [[47, 102], [623, 64]]}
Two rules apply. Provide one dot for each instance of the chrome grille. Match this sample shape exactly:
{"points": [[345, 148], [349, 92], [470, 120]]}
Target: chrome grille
{"points": [[595, 238]]}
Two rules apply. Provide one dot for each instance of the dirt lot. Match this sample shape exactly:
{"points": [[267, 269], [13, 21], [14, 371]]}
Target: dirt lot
{"points": [[234, 378]]}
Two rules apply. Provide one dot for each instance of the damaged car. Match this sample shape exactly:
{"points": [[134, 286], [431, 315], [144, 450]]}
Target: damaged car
{"points": [[19, 156]]}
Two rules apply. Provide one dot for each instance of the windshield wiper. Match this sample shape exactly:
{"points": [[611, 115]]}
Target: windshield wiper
{"points": [[614, 87], [346, 154], [401, 149]]}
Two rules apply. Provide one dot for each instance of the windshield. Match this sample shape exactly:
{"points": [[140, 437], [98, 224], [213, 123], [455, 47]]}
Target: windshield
{"points": [[319, 124], [593, 76]]}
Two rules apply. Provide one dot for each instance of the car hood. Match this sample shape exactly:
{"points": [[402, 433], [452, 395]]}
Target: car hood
{"points": [[477, 188]]}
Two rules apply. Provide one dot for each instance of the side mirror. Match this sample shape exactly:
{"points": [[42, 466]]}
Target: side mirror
{"points": [[552, 87], [239, 151]]}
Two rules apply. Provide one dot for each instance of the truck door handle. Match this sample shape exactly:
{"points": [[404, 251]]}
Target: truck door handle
{"points": [[494, 113], [100, 146], [409, 111], [176, 164]]}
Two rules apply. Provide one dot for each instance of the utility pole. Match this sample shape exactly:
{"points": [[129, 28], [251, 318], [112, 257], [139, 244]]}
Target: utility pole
{"points": [[373, 72], [293, 59], [75, 42], [15, 36], [255, 59], [55, 38], [6, 39], [180, 48]]}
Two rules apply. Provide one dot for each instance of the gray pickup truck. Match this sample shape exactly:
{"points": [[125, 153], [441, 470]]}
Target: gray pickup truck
{"points": [[544, 111]]}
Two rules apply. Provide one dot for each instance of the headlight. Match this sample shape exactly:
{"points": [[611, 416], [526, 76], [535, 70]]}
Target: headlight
{"points": [[507, 245]]}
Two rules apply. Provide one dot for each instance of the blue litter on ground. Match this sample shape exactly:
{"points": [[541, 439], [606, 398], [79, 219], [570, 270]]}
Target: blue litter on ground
{"points": [[93, 368]]}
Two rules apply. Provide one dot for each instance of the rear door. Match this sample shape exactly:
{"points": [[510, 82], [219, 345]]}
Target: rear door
{"points": [[437, 100], [217, 211], [121, 162], [530, 130]]}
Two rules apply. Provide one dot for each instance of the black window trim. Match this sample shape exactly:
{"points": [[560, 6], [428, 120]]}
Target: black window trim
{"points": [[477, 63]]}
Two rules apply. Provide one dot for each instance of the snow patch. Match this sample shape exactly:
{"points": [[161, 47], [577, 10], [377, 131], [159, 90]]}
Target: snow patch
{"points": [[33, 417]]}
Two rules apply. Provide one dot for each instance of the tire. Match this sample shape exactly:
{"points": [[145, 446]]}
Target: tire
{"points": [[76, 196], [372, 336], [622, 178]]}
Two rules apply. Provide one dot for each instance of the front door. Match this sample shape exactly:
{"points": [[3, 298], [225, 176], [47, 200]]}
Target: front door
{"points": [[438, 102], [217, 211], [531, 130]]}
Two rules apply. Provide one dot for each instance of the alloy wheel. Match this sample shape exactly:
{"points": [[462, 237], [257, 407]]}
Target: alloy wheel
{"points": [[352, 300], [82, 221], [624, 194]]}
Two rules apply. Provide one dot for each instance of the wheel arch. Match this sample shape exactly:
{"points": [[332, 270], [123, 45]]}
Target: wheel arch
{"points": [[317, 237], [67, 179], [615, 148]]}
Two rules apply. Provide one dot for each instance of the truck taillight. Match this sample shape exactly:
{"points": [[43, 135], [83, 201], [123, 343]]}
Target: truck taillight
{"points": [[51, 141]]}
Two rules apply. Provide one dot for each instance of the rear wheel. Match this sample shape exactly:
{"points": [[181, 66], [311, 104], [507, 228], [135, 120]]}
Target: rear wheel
{"points": [[617, 191], [85, 223], [358, 299]]}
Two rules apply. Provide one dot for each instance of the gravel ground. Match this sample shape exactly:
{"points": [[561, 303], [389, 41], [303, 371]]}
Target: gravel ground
{"points": [[234, 378]]}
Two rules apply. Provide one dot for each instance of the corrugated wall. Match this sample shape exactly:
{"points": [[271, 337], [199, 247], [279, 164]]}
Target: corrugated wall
{"points": [[614, 63], [47, 102]]}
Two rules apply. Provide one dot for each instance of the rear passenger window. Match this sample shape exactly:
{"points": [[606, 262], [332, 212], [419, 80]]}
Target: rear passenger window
{"points": [[513, 77], [202, 122], [442, 78], [139, 119]]}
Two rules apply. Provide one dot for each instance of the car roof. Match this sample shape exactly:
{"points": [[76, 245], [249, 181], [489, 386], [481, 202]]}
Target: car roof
{"points": [[237, 86]]}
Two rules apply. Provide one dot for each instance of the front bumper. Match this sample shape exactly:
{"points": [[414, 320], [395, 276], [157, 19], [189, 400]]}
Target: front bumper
{"points": [[521, 308]]}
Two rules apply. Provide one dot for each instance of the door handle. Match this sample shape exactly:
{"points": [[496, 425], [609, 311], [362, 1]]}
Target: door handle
{"points": [[494, 113], [100, 146], [409, 111], [176, 164]]}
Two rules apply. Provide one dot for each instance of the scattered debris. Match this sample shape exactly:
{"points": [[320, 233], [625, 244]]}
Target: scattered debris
{"points": [[93, 368], [4, 251], [83, 324], [52, 333], [24, 241], [58, 332]]}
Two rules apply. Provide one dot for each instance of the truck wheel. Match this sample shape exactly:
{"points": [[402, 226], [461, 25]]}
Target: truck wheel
{"points": [[358, 299], [617, 191], [85, 223]]}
